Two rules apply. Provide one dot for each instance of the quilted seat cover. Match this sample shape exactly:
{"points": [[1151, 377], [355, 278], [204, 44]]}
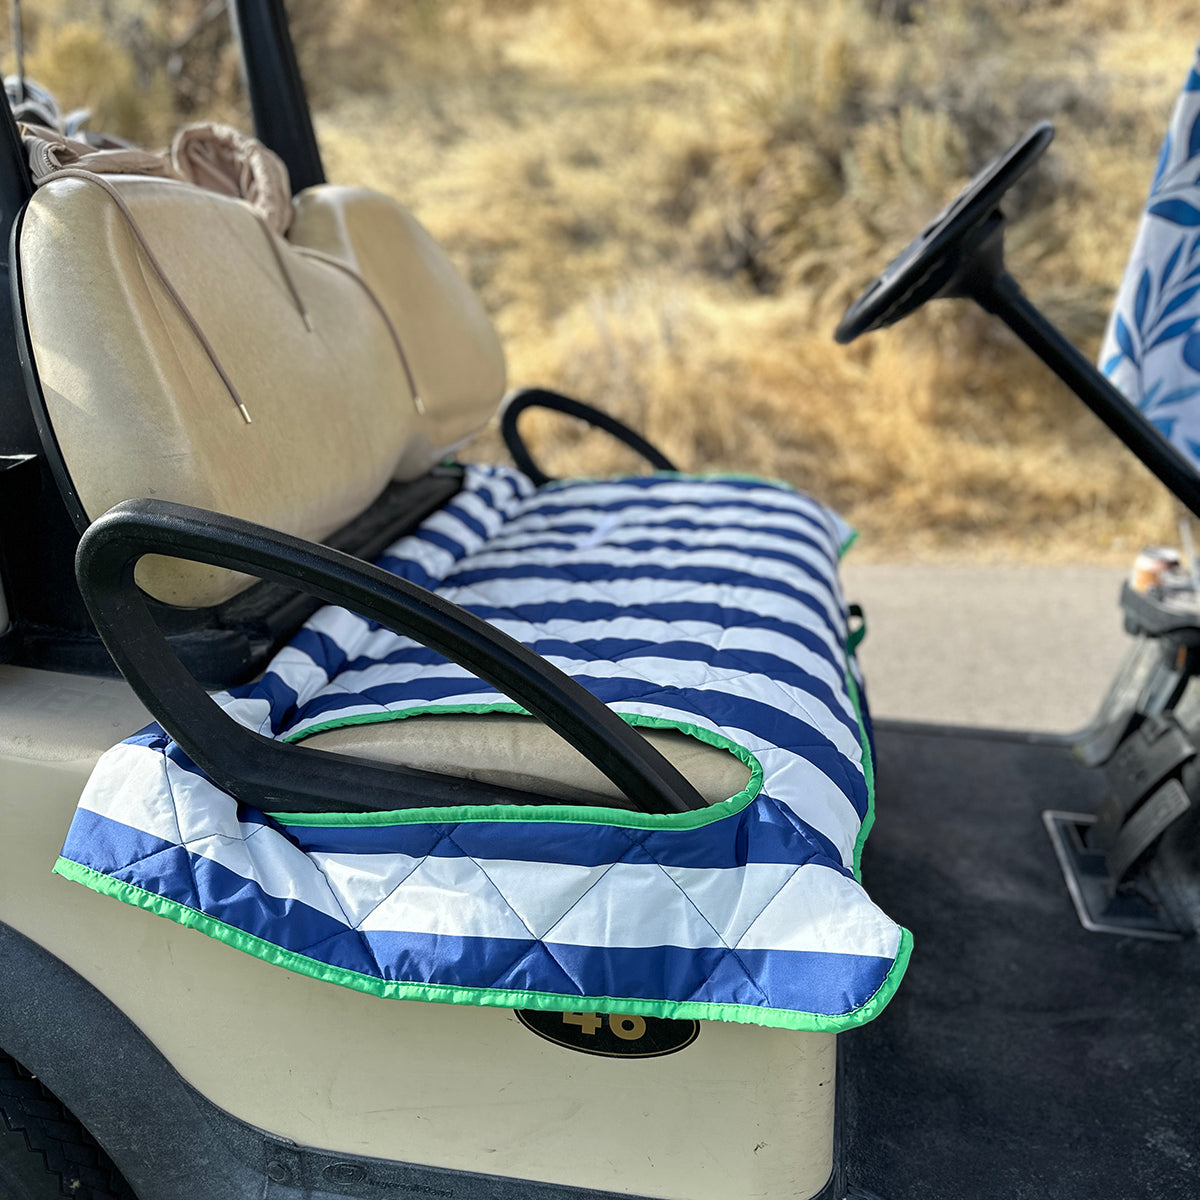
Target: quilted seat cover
{"points": [[708, 605]]}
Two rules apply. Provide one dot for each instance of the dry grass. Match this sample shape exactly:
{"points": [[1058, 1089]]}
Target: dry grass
{"points": [[666, 204]]}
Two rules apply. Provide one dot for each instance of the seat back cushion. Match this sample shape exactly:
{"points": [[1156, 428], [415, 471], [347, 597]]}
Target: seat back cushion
{"points": [[454, 355], [324, 367]]}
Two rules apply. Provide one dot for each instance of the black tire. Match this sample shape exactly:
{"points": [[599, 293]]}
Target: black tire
{"points": [[45, 1153]]}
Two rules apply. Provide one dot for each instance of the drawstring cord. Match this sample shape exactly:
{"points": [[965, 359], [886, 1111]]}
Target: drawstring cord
{"points": [[273, 241], [330, 260], [156, 266], [281, 262]]}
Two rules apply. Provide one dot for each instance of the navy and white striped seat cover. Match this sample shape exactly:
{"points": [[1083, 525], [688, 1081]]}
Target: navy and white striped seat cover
{"points": [[709, 605]]}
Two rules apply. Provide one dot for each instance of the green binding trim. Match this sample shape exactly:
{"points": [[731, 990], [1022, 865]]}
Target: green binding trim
{"points": [[855, 638], [561, 813], [850, 540], [868, 769], [301, 964]]}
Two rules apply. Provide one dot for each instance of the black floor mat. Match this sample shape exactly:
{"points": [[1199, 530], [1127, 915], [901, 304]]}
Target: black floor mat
{"points": [[1023, 1058]]}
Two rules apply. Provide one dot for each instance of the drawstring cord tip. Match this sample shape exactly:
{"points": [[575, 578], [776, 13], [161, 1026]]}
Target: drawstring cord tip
{"points": [[419, 404], [245, 414]]}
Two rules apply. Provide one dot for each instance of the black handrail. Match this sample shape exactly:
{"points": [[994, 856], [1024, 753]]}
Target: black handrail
{"points": [[556, 402], [275, 776]]}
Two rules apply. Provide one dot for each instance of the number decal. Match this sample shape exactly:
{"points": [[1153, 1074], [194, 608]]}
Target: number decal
{"points": [[611, 1035], [588, 1022], [626, 1027]]}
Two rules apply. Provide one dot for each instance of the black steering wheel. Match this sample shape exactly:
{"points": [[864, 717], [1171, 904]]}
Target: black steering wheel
{"points": [[927, 267]]}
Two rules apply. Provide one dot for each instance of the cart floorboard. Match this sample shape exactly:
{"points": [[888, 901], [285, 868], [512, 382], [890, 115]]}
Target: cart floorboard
{"points": [[1024, 1057]]}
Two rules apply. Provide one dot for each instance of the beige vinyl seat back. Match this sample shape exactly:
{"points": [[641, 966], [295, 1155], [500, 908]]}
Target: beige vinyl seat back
{"points": [[161, 316], [359, 355]]}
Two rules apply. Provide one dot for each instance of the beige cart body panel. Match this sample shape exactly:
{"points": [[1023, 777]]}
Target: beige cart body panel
{"points": [[743, 1111]]}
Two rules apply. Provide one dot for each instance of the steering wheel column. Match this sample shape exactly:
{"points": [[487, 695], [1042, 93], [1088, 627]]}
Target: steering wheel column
{"points": [[960, 254]]}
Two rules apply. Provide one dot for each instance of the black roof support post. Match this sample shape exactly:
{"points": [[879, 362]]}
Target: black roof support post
{"points": [[18, 435], [37, 536], [282, 119]]}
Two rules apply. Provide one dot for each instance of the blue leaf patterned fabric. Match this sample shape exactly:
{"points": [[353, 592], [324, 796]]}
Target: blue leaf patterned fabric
{"points": [[1151, 351], [710, 606]]}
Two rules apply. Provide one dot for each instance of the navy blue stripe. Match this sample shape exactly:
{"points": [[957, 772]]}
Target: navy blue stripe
{"points": [[149, 735], [281, 697], [408, 568], [576, 573], [476, 526], [798, 980], [443, 541], [763, 832], [167, 869], [327, 653], [766, 831], [583, 527], [497, 544], [114, 849]]}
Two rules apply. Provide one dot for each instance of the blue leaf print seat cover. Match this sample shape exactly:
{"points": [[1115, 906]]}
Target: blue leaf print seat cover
{"points": [[707, 605], [1152, 347]]}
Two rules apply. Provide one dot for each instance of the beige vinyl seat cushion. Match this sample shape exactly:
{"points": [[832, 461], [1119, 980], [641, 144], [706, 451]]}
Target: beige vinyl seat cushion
{"points": [[519, 752]]}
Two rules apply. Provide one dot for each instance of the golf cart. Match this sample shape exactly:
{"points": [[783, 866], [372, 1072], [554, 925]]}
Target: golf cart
{"points": [[629, 965]]}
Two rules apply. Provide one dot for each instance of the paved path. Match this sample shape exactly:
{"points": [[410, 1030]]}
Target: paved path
{"points": [[1001, 647]]}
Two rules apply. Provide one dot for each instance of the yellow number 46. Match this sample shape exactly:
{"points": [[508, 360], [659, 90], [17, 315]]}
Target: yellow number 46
{"points": [[628, 1028]]}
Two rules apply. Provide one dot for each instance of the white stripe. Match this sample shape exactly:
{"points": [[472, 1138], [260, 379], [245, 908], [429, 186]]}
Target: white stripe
{"points": [[640, 907], [128, 784], [622, 905], [703, 633], [433, 559]]}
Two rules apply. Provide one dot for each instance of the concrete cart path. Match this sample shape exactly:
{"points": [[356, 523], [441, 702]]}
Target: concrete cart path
{"points": [[999, 647]]}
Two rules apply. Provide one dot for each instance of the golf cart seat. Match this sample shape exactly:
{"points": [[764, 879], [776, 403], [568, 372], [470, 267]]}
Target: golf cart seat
{"points": [[233, 394]]}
